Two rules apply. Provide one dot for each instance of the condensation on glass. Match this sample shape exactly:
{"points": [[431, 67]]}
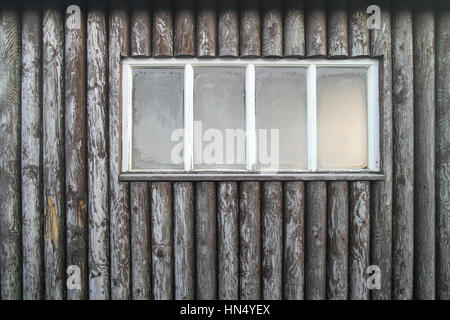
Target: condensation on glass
{"points": [[157, 113], [281, 105], [341, 118], [219, 118]]}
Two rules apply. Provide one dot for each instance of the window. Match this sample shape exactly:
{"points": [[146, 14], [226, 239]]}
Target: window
{"points": [[249, 116]]}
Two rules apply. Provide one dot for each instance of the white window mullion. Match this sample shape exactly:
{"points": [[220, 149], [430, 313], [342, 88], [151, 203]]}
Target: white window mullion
{"points": [[372, 119], [312, 118], [250, 116], [188, 116]]}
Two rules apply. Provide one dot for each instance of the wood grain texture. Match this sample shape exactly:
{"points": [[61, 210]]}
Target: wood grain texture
{"points": [[316, 26], [403, 154], [358, 32], [250, 31], [31, 130], [359, 239], [118, 191], [205, 235], [381, 191], [10, 221], [294, 240], [184, 240], [228, 30], [250, 241], [424, 161], [184, 44], [337, 30], [337, 240], [162, 33], [294, 29], [315, 240], [76, 164], [442, 155], [162, 240], [272, 240], [272, 32], [228, 240], [53, 153], [140, 241], [206, 32], [97, 137], [140, 37]]}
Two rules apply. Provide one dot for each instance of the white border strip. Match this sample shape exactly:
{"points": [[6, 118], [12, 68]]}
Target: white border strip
{"points": [[188, 148], [312, 118], [250, 116], [373, 131]]}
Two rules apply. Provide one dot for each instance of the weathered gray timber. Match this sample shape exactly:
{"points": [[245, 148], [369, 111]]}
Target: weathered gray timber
{"points": [[250, 241], [228, 30], [272, 31], [184, 44], [250, 31], [31, 131], [294, 240], [205, 237], [337, 240], [162, 240], [184, 240], [337, 29], [53, 152], [10, 225], [162, 32], [358, 32], [403, 154], [140, 241], [272, 240], [315, 240], [315, 29], [228, 240], [206, 31], [294, 29], [359, 239], [97, 111], [140, 37]]}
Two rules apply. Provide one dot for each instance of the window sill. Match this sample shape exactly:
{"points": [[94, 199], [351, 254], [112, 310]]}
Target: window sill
{"points": [[201, 176]]}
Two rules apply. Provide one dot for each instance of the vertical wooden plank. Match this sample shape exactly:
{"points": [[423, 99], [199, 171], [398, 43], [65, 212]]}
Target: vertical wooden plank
{"points": [[272, 240], [228, 240], [162, 241], [140, 29], [97, 137], [140, 240], [359, 255], [53, 152], [358, 32], [337, 29], [206, 30], [442, 154], [31, 129], [250, 30], [272, 30], [228, 29], [76, 167], [118, 191], [184, 30], [381, 191], [10, 232], [294, 29], [337, 240], [315, 241], [403, 153], [294, 240], [205, 230], [184, 240], [424, 196], [250, 241], [162, 30], [316, 41]]}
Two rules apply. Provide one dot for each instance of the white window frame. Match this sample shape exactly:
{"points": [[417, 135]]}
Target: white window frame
{"points": [[373, 147]]}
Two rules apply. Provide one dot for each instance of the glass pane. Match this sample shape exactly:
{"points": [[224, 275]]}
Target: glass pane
{"points": [[281, 105], [157, 114], [219, 118], [342, 118]]}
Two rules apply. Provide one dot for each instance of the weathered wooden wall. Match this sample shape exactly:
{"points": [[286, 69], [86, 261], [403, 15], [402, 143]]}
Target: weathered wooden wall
{"points": [[61, 202]]}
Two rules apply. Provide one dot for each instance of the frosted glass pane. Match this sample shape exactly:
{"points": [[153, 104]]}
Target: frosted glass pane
{"points": [[219, 118], [157, 100], [342, 118], [281, 104]]}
